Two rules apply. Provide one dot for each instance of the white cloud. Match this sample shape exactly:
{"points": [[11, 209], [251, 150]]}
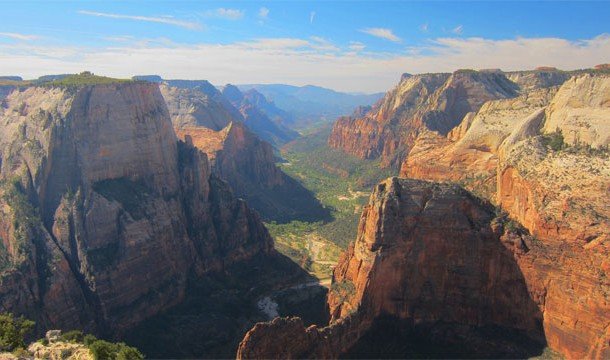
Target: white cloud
{"points": [[312, 16], [424, 27], [299, 62], [275, 44], [17, 36], [229, 14], [458, 30], [381, 33], [356, 46], [263, 13], [322, 44], [191, 25]]}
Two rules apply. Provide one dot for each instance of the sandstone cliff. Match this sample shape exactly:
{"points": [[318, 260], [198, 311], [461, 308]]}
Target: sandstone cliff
{"points": [[435, 102], [105, 214], [192, 107], [239, 156], [504, 153], [443, 265]]}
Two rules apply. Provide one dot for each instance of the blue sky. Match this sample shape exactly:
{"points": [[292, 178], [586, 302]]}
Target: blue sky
{"points": [[351, 46]]}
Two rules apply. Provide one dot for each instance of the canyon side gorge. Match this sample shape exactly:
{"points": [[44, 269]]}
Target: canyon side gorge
{"points": [[145, 211], [513, 261]]}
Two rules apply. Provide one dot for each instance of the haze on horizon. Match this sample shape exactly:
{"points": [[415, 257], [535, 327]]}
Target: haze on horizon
{"points": [[346, 46]]}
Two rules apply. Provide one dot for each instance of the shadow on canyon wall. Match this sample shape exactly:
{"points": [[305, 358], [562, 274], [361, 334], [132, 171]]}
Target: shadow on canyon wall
{"points": [[505, 321], [285, 203], [220, 308]]}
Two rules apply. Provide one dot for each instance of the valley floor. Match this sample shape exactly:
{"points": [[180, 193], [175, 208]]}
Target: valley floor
{"points": [[342, 184]]}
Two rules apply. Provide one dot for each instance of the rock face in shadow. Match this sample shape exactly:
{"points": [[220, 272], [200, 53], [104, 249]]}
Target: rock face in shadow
{"points": [[105, 214], [557, 191], [435, 271], [441, 265], [240, 157]]}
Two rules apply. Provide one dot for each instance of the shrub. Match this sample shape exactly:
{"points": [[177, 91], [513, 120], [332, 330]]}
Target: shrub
{"points": [[104, 350], [554, 140], [89, 339], [13, 331], [73, 336], [21, 353]]}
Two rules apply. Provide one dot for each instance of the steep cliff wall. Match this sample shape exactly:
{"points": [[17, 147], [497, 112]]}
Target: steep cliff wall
{"points": [[436, 102], [469, 153], [507, 153], [192, 107], [580, 110], [239, 156], [107, 214], [434, 257]]}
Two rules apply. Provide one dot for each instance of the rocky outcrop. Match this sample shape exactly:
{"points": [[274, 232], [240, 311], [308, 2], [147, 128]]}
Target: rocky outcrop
{"points": [[256, 118], [503, 147], [538, 79], [436, 102], [106, 215], [443, 263], [239, 156], [469, 153], [248, 165], [580, 110], [557, 195], [192, 107]]}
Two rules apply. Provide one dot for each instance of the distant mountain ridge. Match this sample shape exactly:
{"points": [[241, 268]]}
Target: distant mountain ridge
{"points": [[311, 104], [251, 108]]}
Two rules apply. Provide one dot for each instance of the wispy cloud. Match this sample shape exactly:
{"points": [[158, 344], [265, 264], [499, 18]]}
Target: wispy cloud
{"points": [[224, 13], [191, 25], [458, 30], [356, 46], [312, 16], [297, 61], [275, 43], [382, 33], [322, 44], [18, 36], [424, 27], [263, 13]]}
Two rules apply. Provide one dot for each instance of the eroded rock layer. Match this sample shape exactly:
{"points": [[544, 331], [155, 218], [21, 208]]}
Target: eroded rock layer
{"points": [[434, 257], [239, 156], [435, 102], [105, 214]]}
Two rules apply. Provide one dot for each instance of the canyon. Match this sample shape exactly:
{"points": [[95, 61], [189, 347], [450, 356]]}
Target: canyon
{"points": [[520, 266], [122, 215], [237, 154], [106, 215]]}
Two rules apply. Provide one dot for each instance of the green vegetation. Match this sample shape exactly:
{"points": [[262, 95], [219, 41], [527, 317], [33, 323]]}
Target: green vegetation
{"points": [[342, 183], [554, 140], [74, 336], [104, 350], [344, 290], [100, 349], [26, 221], [83, 79], [13, 331]]}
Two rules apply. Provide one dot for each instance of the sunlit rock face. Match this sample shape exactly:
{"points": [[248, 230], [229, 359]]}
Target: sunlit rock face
{"points": [[432, 261], [105, 213]]}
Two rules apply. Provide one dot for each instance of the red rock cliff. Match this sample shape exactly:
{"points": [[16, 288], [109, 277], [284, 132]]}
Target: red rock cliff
{"points": [[436, 102], [437, 257]]}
